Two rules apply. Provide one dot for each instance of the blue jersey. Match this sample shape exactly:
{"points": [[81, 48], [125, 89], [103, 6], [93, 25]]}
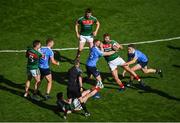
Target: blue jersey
{"points": [[94, 55], [141, 57], [47, 54]]}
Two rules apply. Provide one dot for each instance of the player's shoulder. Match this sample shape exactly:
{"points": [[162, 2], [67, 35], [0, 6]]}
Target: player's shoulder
{"points": [[113, 41], [93, 17], [137, 51], [46, 49], [81, 18]]}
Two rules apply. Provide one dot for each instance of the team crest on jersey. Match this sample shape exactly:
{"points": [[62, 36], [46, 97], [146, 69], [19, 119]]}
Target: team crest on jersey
{"points": [[87, 22]]}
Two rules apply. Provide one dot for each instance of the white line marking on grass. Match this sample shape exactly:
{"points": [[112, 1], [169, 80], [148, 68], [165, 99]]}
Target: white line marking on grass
{"points": [[63, 49]]}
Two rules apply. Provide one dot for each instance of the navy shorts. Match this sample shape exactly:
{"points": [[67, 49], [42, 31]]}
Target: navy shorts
{"points": [[92, 70], [143, 64], [44, 72]]}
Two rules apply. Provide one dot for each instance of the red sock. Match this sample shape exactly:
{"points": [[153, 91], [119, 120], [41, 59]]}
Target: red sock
{"points": [[121, 85], [137, 78], [97, 89]]}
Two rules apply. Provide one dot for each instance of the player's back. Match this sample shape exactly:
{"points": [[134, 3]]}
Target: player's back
{"points": [[141, 57], [33, 58], [73, 75], [47, 54], [94, 55]]}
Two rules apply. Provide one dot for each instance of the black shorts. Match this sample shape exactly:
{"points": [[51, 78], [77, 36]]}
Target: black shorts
{"points": [[73, 93], [92, 70], [143, 64], [44, 72]]}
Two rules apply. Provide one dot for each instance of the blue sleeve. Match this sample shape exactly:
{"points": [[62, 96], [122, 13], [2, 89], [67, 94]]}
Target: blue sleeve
{"points": [[99, 52], [51, 54]]}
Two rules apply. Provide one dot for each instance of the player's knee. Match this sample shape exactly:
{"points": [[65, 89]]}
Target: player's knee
{"points": [[80, 49]]}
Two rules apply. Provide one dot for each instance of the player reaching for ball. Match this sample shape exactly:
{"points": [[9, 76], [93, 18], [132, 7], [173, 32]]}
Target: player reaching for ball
{"points": [[134, 56]]}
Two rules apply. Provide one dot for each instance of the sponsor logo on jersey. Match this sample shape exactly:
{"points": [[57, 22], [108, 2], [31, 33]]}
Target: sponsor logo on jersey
{"points": [[87, 22]]}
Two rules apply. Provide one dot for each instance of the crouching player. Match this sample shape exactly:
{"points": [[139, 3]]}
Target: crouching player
{"points": [[134, 56], [75, 105]]}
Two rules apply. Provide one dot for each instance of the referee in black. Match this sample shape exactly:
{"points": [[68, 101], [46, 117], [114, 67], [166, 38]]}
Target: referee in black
{"points": [[74, 86]]}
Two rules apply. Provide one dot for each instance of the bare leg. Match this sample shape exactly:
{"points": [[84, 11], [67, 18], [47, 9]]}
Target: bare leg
{"points": [[89, 94], [90, 45], [116, 78], [81, 46], [37, 83], [49, 85], [146, 70], [134, 68], [29, 78], [127, 68]]}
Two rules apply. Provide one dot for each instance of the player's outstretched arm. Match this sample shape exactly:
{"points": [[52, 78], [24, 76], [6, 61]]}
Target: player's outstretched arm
{"points": [[108, 53], [53, 61], [131, 62]]}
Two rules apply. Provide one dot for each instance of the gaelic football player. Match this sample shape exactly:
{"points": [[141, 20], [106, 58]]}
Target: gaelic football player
{"points": [[33, 57], [75, 105], [115, 60], [86, 32], [94, 55], [48, 56], [136, 56]]}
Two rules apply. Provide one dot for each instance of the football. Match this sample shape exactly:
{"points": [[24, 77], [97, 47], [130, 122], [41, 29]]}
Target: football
{"points": [[115, 47]]}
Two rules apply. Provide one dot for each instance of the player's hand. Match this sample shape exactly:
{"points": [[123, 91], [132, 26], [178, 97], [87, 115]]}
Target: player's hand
{"points": [[94, 33], [58, 63], [123, 74], [81, 89]]}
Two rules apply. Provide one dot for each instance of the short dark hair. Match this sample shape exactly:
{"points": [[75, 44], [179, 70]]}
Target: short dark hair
{"points": [[59, 95], [95, 40], [106, 34], [49, 40], [36, 42], [88, 10], [132, 45]]}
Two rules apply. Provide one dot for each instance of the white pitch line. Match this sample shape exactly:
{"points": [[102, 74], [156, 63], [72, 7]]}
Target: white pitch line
{"points": [[63, 49]]}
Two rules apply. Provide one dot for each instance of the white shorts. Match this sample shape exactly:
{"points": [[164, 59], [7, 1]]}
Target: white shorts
{"points": [[86, 38], [33, 73], [115, 63]]}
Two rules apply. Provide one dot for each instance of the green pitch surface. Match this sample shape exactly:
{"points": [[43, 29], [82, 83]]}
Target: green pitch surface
{"points": [[128, 21]]}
